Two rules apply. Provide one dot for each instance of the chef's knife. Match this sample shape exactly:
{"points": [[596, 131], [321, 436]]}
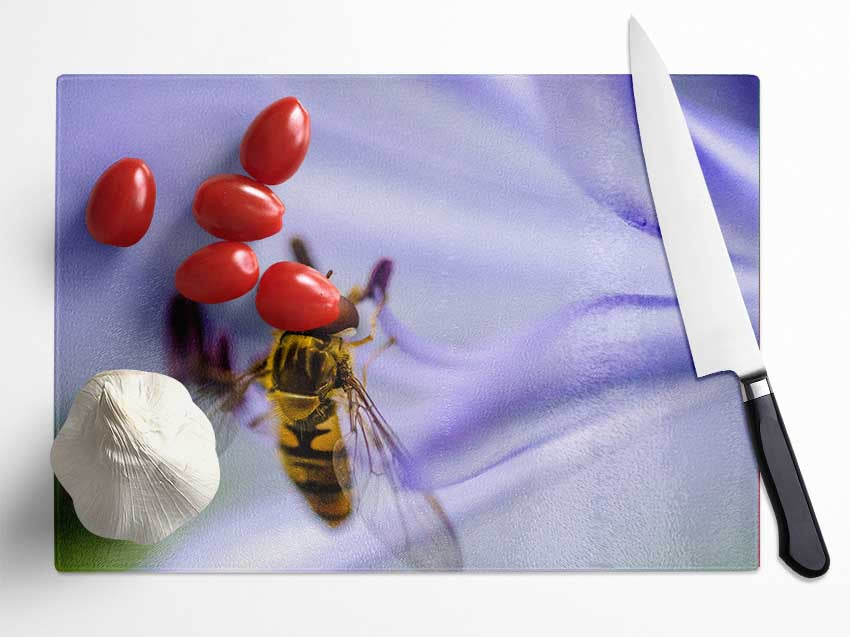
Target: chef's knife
{"points": [[716, 322]]}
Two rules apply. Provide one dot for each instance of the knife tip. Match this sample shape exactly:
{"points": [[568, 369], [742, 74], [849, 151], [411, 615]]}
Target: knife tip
{"points": [[634, 27]]}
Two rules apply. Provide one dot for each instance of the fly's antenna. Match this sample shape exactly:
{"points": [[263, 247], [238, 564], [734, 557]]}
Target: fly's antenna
{"points": [[301, 252]]}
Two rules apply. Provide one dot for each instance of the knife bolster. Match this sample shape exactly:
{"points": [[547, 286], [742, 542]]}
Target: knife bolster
{"points": [[752, 388]]}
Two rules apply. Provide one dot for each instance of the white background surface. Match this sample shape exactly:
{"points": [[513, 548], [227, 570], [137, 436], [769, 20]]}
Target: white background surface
{"points": [[801, 55]]}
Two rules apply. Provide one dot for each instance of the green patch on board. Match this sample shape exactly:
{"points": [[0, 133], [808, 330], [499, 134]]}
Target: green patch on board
{"points": [[79, 550]]}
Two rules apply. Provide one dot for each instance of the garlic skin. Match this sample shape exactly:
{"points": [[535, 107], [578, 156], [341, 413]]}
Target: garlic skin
{"points": [[136, 455]]}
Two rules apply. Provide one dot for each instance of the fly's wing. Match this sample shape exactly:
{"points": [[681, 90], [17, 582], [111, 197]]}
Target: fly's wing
{"points": [[371, 464], [202, 361], [215, 405], [225, 402]]}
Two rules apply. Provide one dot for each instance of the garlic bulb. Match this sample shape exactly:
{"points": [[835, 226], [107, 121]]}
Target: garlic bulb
{"points": [[136, 455]]}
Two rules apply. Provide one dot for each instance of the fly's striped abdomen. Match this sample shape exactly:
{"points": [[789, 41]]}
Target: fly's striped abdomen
{"points": [[306, 451]]}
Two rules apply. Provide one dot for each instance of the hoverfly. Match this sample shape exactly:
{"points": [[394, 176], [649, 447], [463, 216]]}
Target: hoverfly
{"points": [[307, 379]]}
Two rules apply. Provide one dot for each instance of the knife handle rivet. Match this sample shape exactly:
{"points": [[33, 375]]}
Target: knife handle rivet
{"points": [[750, 390]]}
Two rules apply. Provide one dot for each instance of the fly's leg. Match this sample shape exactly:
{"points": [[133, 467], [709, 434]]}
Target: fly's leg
{"points": [[259, 372], [256, 421], [356, 294], [373, 326], [376, 286], [378, 351]]}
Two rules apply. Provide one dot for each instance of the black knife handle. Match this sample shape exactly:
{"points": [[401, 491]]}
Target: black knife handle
{"points": [[801, 544]]}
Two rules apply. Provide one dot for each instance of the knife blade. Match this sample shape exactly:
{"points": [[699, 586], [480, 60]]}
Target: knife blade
{"points": [[718, 328]]}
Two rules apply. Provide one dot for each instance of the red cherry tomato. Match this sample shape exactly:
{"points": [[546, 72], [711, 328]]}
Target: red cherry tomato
{"points": [[294, 297], [120, 207], [276, 141], [237, 208], [219, 272]]}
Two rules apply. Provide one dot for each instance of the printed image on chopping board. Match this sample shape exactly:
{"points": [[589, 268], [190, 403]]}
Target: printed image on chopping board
{"points": [[484, 246]]}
